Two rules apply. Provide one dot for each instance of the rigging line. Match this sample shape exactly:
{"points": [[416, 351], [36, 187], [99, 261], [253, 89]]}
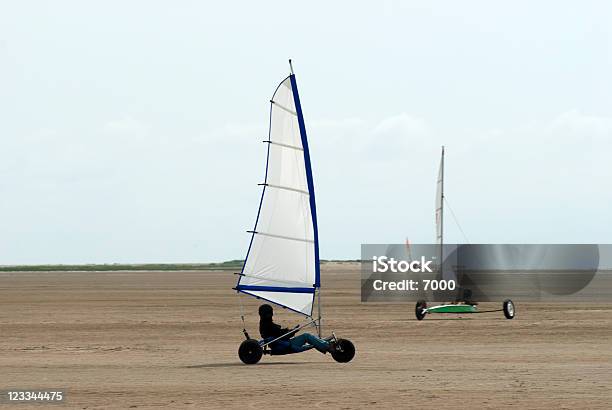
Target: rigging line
{"points": [[456, 220], [241, 307]]}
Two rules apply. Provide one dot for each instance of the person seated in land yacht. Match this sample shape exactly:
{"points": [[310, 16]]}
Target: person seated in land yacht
{"points": [[288, 343]]}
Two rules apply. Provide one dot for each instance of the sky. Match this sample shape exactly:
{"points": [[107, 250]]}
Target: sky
{"points": [[131, 131]]}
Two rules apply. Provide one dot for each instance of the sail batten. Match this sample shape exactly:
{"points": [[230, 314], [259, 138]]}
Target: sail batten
{"points": [[288, 188], [285, 145], [283, 107], [289, 238], [282, 263]]}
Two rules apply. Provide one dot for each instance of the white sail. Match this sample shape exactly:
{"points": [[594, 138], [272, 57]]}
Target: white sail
{"points": [[282, 263]]}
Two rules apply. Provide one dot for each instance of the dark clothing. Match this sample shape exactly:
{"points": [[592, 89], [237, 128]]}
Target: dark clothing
{"points": [[267, 328], [289, 344]]}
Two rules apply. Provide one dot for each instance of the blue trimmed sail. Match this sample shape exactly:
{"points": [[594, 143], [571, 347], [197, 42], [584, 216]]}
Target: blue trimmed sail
{"points": [[282, 263]]}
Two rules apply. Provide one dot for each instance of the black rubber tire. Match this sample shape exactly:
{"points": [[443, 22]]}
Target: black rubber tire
{"points": [[509, 309], [421, 305], [250, 351], [344, 351]]}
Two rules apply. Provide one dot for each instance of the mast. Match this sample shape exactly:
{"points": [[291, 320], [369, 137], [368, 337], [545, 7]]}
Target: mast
{"points": [[442, 211], [309, 179], [311, 189], [310, 183]]}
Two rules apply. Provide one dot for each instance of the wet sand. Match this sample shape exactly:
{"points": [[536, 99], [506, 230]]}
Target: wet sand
{"points": [[151, 339]]}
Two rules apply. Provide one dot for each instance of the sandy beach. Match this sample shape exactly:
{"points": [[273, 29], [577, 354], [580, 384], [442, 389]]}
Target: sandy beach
{"points": [[152, 339]]}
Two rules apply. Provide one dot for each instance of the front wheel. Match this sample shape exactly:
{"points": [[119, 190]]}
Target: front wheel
{"points": [[509, 309], [250, 351], [343, 351], [419, 309]]}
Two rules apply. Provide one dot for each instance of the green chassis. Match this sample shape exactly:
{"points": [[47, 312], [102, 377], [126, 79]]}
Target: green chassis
{"points": [[422, 310], [458, 308]]}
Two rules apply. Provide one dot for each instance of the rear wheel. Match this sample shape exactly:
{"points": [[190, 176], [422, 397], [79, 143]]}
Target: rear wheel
{"points": [[509, 309], [250, 351], [419, 309], [343, 351]]}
